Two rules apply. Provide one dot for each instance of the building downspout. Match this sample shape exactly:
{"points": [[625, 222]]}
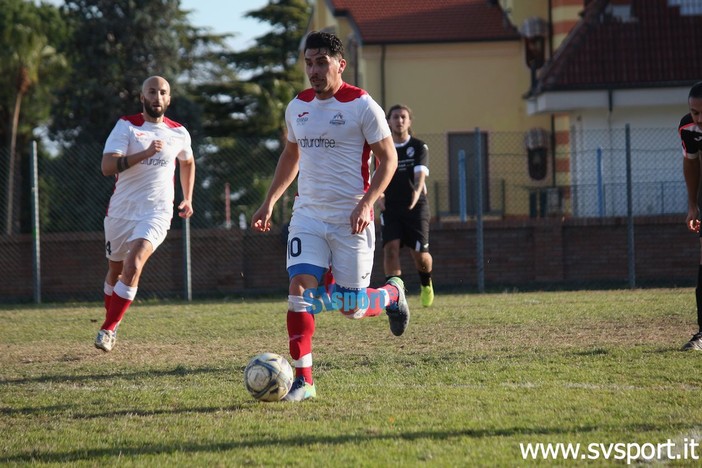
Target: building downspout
{"points": [[553, 117], [553, 150], [356, 66], [382, 76], [550, 29]]}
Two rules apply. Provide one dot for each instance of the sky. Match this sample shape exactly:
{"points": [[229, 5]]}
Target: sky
{"points": [[227, 16], [224, 16]]}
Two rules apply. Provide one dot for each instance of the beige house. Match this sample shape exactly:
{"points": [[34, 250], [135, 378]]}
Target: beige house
{"points": [[459, 64], [594, 67]]}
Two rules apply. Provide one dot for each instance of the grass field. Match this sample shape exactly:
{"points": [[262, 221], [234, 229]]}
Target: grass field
{"points": [[472, 381]]}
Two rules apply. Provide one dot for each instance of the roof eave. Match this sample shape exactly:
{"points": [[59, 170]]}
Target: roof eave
{"points": [[572, 100], [414, 41]]}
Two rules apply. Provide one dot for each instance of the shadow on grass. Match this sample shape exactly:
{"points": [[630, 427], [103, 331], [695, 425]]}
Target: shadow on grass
{"points": [[67, 411], [178, 371], [306, 440]]}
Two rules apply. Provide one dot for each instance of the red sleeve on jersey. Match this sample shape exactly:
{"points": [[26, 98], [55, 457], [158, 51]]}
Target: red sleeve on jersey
{"points": [[306, 95], [348, 93], [171, 123], [137, 119]]}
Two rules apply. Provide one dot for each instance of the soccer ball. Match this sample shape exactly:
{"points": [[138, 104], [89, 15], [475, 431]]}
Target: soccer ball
{"points": [[268, 377]]}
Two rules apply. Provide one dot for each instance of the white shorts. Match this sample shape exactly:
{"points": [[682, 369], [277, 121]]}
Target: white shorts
{"points": [[119, 232], [314, 242]]}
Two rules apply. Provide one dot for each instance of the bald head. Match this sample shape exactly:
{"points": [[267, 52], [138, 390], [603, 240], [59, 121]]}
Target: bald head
{"points": [[157, 82], [155, 98]]}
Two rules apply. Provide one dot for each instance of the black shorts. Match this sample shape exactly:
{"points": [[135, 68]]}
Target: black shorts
{"points": [[410, 226]]}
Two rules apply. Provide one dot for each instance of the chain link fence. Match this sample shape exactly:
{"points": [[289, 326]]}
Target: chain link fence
{"points": [[585, 177]]}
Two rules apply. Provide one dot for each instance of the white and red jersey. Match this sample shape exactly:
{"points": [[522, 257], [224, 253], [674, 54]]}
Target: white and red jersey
{"points": [[335, 159], [146, 189]]}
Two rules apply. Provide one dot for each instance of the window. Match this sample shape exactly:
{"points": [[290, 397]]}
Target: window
{"points": [[463, 180]]}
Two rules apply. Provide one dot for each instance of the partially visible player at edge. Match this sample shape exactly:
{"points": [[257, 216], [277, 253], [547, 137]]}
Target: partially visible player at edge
{"points": [[690, 131], [141, 152], [404, 207], [331, 129]]}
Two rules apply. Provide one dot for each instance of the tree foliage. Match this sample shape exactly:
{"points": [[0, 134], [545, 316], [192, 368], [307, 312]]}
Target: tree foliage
{"points": [[115, 45], [30, 67], [245, 119], [231, 102], [256, 105]]}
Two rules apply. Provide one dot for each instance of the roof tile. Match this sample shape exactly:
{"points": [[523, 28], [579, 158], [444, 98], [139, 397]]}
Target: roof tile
{"points": [[418, 21], [655, 45]]}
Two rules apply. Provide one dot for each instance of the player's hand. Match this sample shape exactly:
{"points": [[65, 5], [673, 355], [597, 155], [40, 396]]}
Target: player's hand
{"points": [[261, 219], [361, 217], [380, 204], [185, 209], [693, 224], [415, 198], [692, 220], [155, 147]]}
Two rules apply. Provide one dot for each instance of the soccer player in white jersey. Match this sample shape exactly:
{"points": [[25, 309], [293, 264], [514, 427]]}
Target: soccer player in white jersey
{"points": [[141, 152], [332, 128], [690, 130]]}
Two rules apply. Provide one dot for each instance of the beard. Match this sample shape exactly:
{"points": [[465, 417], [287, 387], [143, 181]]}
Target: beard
{"points": [[153, 113]]}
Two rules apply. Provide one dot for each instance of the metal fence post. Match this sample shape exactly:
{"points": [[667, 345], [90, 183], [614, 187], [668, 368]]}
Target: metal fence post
{"points": [[36, 236], [187, 267], [462, 185], [600, 182], [630, 212], [479, 259]]}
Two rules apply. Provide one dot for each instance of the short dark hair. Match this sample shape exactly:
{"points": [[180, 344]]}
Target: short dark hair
{"points": [[325, 40], [696, 91], [399, 107]]}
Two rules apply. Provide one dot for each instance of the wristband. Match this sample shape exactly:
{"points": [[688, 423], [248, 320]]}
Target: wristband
{"points": [[122, 164]]}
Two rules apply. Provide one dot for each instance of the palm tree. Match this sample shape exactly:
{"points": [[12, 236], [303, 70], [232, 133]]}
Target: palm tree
{"points": [[29, 52]]}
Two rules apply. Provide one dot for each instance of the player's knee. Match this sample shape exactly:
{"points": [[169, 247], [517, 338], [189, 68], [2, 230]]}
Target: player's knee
{"points": [[392, 250], [131, 273], [302, 303]]}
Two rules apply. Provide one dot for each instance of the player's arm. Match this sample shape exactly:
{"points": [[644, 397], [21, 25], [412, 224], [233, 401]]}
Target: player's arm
{"points": [[418, 187], [114, 163], [421, 171], [691, 171], [380, 203], [285, 173], [386, 157], [187, 183]]}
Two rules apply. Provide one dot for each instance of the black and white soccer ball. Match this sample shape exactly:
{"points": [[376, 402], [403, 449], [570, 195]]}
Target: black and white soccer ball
{"points": [[268, 377]]}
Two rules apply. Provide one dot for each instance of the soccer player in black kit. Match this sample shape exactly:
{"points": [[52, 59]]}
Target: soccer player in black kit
{"points": [[690, 131], [404, 208]]}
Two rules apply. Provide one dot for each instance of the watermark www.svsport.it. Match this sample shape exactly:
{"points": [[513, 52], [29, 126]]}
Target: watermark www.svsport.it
{"points": [[688, 449]]}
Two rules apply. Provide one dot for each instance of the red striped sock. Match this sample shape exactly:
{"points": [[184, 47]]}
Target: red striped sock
{"points": [[378, 300], [122, 298], [118, 307], [107, 292], [300, 331], [108, 297]]}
